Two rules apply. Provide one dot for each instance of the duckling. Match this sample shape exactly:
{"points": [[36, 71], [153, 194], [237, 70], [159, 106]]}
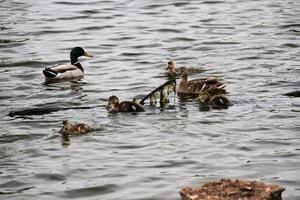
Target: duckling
{"points": [[194, 87], [125, 106], [67, 71], [74, 129], [214, 100], [173, 71]]}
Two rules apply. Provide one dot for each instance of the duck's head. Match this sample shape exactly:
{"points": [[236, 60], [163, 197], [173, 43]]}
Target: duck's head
{"points": [[76, 52], [65, 128], [113, 102], [204, 97], [65, 122], [170, 66]]}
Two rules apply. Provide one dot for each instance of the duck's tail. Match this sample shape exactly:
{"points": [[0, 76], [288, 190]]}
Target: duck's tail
{"points": [[49, 73]]}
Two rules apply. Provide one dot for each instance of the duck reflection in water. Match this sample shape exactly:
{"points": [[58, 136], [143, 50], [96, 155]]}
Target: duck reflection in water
{"points": [[74, 85]]}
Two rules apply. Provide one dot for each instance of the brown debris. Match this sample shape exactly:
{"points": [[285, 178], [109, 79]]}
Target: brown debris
{"points": [[227, 189]]}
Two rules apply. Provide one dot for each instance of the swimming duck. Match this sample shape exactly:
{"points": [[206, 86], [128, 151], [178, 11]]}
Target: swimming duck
{"points": [[67, 71], [194, 87], [214, 99], [173, 71], [74, 129], [125, 106]]}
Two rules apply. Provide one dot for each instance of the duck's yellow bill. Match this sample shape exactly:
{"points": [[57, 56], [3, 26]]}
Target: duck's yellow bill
{"points": [[87, 54]]}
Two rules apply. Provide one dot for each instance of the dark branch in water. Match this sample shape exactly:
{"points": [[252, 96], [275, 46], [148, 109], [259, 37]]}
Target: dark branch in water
{"points": [[293, 94], [157, 89], [43, 111]]}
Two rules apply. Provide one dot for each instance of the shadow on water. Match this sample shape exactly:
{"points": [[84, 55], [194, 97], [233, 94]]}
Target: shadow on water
{"points": [[45, 110]]}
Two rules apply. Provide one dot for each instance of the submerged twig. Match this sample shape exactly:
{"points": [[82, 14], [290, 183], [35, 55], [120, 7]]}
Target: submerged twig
{"points": [[161, 87]]}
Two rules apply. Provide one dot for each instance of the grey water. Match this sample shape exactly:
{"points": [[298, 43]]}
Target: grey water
{"points": [[253, 46]]}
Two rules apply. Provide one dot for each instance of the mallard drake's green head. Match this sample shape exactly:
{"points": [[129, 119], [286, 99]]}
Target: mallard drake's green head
{"points": [[76, 52]]}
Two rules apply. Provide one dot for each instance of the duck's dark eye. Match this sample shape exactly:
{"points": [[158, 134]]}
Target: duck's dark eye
{"points": [[169, 63]]}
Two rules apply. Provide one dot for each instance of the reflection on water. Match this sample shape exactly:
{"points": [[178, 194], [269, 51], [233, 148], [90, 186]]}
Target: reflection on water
{"points": [[251, 45]]}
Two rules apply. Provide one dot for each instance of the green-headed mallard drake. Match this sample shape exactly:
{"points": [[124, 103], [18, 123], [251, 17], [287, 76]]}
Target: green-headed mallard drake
{"points": [[194, 87], [114, 105], [74, 70], [74, 129], [173, 71], [163, 92]]}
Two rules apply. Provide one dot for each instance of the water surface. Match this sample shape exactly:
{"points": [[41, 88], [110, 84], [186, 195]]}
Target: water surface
{"points": [[252, 45]]}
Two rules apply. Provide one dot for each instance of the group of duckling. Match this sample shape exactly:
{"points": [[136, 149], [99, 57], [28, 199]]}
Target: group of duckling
{"points": [[209, 91]]}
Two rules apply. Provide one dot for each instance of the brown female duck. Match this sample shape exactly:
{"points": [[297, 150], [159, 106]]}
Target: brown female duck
{"points": [[194, 87], [125, 106], [74, 129]]}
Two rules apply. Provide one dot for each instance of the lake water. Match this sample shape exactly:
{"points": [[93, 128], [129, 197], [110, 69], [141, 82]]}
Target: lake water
{"points": [[252, 45]]}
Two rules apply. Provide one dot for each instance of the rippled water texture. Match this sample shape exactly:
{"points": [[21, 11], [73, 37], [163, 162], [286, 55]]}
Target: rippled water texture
{"points": [[252, 45]]}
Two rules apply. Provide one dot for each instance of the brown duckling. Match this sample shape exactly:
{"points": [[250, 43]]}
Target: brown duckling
{"points": [[196, 86], [214, 99], [173, 71], [125, 106], [74, 129]]}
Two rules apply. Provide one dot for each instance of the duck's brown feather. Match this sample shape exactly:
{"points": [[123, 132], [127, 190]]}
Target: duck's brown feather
{"points": [[130, 106]]}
